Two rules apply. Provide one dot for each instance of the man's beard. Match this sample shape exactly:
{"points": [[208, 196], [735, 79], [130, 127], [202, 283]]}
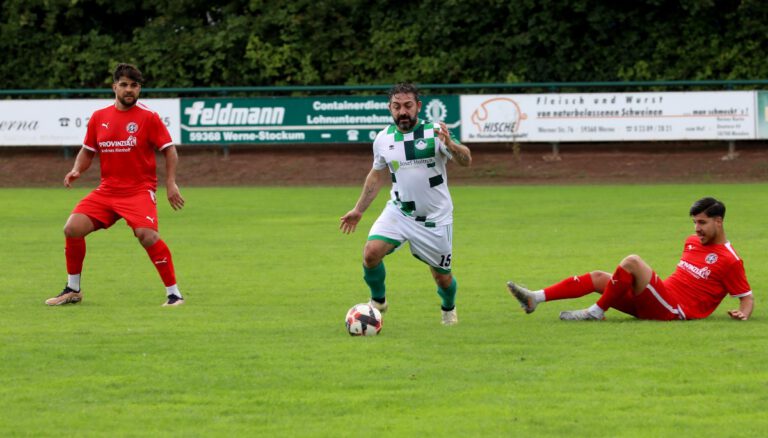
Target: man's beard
{"points": [[405, 123], [127, 104]]}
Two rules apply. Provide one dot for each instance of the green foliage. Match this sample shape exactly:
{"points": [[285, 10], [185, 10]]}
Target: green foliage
{"points": [[75, 43], [260, 349]]}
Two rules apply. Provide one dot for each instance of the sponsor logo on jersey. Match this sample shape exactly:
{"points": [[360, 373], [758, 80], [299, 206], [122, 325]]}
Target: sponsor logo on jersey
{"points": [[132, 127], [105, 125], [129, 142], [711, 258], [408, 164], [701, 273]]}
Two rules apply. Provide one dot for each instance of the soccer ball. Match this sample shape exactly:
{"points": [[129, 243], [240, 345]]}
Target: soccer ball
{"points": [[363, 320]]}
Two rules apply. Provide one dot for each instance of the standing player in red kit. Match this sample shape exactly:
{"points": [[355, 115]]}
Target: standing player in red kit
{"points": [[709, 269], [126, 136]]}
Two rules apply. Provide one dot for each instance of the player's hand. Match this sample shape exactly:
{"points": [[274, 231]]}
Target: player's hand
{"points": [[444, 134], [71, 177], [349, 221], [460, 154], [174, 196], [737, 314]]}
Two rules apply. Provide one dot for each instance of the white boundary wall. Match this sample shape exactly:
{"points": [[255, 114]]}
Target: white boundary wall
{"points": [[585, 117], [62, 122], [563, 117]]}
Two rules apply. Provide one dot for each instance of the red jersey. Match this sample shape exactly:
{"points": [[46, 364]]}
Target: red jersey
{"points": [[705, 275], [126, 142]]}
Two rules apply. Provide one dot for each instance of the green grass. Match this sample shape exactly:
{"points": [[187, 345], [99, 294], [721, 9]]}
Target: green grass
{"points": [[260, 348]]}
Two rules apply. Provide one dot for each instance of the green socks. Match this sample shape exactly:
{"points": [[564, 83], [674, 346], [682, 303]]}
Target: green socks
{"points": [[374, 278], [448, 295]]}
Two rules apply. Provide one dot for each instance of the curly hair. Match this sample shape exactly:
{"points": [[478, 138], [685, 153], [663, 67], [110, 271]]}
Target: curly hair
{"points": [[404, 88], [129, 71]]}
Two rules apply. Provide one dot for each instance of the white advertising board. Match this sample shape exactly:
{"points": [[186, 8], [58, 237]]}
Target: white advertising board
{"points": [[62, 122], [585, 117]]}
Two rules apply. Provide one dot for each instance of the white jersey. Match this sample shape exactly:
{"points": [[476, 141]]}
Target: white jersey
{"points": [[417, 161]]}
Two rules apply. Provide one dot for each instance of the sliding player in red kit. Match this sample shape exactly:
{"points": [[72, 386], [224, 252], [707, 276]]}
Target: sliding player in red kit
{"points": [[709, 269], [126, 136]]}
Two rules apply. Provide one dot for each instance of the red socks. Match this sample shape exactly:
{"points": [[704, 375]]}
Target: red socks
{"points": [[620, 283], [74, 251], [161, 257], [572, 287]]}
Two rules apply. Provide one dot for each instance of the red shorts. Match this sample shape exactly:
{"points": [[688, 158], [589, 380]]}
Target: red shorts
{"points": [[654, 302], [139, 210]]}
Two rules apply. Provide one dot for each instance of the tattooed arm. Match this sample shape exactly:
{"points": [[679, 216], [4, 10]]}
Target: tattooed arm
{"points": [[461, 153], [373, 183]]}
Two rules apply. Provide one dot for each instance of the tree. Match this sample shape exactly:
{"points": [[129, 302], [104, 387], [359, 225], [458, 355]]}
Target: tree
{"points": [[193, 43]]}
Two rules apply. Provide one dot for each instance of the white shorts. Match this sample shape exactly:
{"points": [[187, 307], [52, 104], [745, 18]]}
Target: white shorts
{"points": [[431, 245]]}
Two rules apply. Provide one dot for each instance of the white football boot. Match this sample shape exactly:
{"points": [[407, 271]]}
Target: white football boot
{"points": [[381, 307], [450, 317], [579, 315]]}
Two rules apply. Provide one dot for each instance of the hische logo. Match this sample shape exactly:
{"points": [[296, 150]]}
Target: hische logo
{"points": [[499, 117]]}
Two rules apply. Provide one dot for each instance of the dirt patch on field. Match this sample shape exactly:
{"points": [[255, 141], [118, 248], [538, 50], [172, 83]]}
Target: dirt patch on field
{"points": [[534, 164]]}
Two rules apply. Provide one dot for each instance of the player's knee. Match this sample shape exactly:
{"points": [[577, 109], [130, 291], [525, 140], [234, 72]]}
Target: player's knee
{"points": [[444, 280], [631, 261], [69, 231], [72, 230], [599, 280], [373, 253], [147, 237], [78, 225], [371, 259]]}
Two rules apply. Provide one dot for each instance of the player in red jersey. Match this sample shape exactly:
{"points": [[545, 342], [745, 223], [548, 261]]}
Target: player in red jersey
{"points": [[709, 269], [125, 135]]}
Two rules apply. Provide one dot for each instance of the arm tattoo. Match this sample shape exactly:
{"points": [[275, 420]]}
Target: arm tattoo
{"points": [[369, 194], [369, 190], [461, 157]]}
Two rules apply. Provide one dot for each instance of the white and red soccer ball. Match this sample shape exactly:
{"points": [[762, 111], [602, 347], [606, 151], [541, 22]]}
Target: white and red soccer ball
{"points": [[363, 320]]}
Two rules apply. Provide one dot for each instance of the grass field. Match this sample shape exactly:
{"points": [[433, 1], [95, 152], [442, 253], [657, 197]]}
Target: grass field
{"points": [[260, 348]]}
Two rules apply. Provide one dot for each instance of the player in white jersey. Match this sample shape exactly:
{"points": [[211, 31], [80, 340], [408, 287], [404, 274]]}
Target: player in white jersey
{"points": [[413, 155]]}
